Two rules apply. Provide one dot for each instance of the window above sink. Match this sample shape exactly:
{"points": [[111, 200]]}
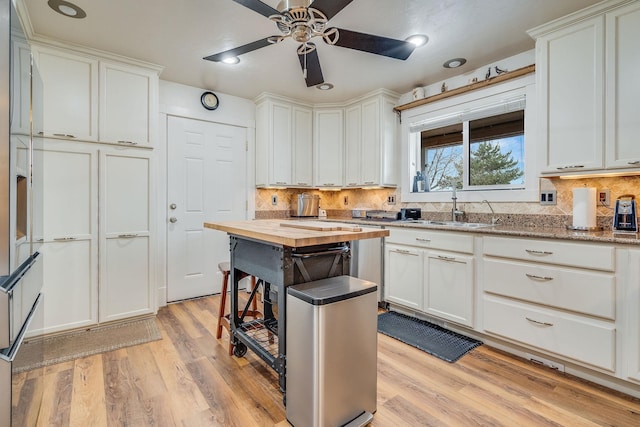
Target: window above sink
{"points": [[481, 143]]}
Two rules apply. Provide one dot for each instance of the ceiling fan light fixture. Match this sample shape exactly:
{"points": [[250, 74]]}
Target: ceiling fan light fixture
{"points": [[417, 40], [454, 63], [231, 60], [324, 86], [67, 9]]}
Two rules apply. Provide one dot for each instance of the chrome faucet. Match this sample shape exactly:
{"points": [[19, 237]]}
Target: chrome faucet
{"points": [[494, 220], [454, 211]]}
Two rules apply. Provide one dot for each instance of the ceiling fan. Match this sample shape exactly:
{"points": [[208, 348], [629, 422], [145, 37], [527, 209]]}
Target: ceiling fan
{"points": [[302, 20]]}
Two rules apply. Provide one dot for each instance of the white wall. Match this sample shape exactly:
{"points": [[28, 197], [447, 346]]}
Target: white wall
{"points": [[184, 101]]}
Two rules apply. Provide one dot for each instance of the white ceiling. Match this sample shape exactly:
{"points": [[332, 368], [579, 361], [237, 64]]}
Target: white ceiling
{"points": [[177, 34]]}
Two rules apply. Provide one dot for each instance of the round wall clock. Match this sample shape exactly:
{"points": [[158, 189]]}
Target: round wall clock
{"points": [[209, 100]]}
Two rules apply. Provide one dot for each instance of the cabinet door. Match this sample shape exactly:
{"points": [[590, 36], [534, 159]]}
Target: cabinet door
{"points": [[353, 146], [70, 86], [127, 97], [449, 287], [623, 87], [21, 87], [571, 78], [273, 143], [370, 158], [125, 248], [328, 148], [302, 147], [403, 277], [69, 235], [631, 332]]}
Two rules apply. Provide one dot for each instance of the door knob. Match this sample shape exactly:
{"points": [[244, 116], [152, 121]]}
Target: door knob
{"points": [[173, 219], [172, 206]]}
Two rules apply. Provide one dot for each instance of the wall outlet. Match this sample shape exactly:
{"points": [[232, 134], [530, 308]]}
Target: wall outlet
{"points": [[391, 200], [548, 197], [604, 197], [274, 200]]}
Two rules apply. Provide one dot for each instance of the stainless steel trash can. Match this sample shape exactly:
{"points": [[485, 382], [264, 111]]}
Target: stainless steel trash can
{"points": [[331, 364]]}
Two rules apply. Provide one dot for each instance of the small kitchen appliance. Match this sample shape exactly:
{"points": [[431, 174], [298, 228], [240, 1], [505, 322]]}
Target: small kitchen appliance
{"points": [[409, 214], [624, 217], [307, 205]]}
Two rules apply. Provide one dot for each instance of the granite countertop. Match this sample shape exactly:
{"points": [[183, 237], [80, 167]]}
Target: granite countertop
{"points": [[503, 230]]}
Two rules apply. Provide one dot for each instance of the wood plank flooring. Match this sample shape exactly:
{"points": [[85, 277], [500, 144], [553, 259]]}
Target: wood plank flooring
{"points": [[188, 379]]}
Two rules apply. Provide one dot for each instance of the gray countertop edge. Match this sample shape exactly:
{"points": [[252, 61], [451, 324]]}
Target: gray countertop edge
{"points": [[501, 230]]}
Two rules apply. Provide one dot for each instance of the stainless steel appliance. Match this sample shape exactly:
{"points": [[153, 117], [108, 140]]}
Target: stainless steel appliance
{"points": [[624, 217], [21, 275], [383, 215], [307, 205], [331, 352]]}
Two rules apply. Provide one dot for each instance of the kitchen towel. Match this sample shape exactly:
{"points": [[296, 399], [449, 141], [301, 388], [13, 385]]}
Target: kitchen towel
{"points": [[584, 207]]}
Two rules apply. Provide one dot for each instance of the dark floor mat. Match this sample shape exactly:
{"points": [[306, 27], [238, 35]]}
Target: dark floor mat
{"points": [[433, 339]]}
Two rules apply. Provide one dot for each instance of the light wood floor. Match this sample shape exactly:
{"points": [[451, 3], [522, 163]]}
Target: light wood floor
{"points": [[187, 379]]}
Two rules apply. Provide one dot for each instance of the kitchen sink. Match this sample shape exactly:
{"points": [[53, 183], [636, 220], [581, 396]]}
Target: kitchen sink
{"points": [[455, 224]]}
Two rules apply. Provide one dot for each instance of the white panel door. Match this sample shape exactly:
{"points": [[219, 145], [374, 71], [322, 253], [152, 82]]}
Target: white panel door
{"points": [[207, 181]]}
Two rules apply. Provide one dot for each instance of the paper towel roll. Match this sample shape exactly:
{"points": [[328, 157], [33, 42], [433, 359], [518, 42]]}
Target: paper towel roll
{"points": [[584, 207]]}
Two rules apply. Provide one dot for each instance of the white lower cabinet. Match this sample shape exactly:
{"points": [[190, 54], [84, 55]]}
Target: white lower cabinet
{"points": [[423, 273], [632, 324], [557, 297], [403, 276], [449, 286], [96, 270]]}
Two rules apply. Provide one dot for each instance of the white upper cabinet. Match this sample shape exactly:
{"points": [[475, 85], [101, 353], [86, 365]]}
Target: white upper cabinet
{"points": [[123, 112], [371, 142], [623, 87], [127, 104], [70, 95], [283, 143], [586, 68], [328, 146]]}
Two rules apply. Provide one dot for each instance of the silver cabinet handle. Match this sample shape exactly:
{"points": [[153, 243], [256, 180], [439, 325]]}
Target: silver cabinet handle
{"points": [[537, 322], [369, 182], [446, 258], [403, 252], [351, 184], [127, 236], [281, 183], [63, 239], [173, 220], [421, 239], [570, 167], [304, 183], [534, 252], [635, 162], [542, 278], [127, 142], [65, 135]]}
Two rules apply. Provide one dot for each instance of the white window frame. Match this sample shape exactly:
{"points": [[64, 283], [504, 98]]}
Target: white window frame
{"points": [[454, 109]]}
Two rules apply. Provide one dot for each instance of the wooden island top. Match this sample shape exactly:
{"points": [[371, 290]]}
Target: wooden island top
{"points": [[296, 233]]}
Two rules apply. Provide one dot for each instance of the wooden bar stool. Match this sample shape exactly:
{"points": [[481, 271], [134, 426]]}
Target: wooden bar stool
{"points": [[223, 319]]}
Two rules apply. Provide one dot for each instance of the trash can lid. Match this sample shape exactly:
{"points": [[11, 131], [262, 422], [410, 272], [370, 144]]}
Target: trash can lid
{"points": [[332, 289]]}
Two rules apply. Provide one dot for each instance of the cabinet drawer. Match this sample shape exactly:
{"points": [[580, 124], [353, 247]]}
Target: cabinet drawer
{"points": [[458, 242], [576, 290], [584, 340], [552, 252]]}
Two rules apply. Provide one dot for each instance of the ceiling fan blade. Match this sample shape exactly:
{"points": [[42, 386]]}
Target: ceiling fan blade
{"points": [[314, 71], [398, 49], [258, 6], [239, 50], [330, 7]]}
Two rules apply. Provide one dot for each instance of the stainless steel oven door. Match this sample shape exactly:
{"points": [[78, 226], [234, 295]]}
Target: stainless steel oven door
{"points": [[15, 411]]}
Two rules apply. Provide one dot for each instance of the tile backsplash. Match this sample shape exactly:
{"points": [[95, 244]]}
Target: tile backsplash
{"points": [[523, 213]]}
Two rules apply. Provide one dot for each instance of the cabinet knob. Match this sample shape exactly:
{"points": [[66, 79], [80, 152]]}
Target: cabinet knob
{"points": [[173, 220], [173, 206]]}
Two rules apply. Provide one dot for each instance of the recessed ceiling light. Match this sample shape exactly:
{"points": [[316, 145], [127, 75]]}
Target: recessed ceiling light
{"points": [[67, 9], [454, 63], [325, 86], [418, 39], [231, 60]]}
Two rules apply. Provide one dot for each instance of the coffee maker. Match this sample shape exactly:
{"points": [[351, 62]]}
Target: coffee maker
{"points": [[624, 216]]}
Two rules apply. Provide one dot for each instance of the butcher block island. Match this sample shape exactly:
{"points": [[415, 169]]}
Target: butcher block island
{"points": [[281, 253]]}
